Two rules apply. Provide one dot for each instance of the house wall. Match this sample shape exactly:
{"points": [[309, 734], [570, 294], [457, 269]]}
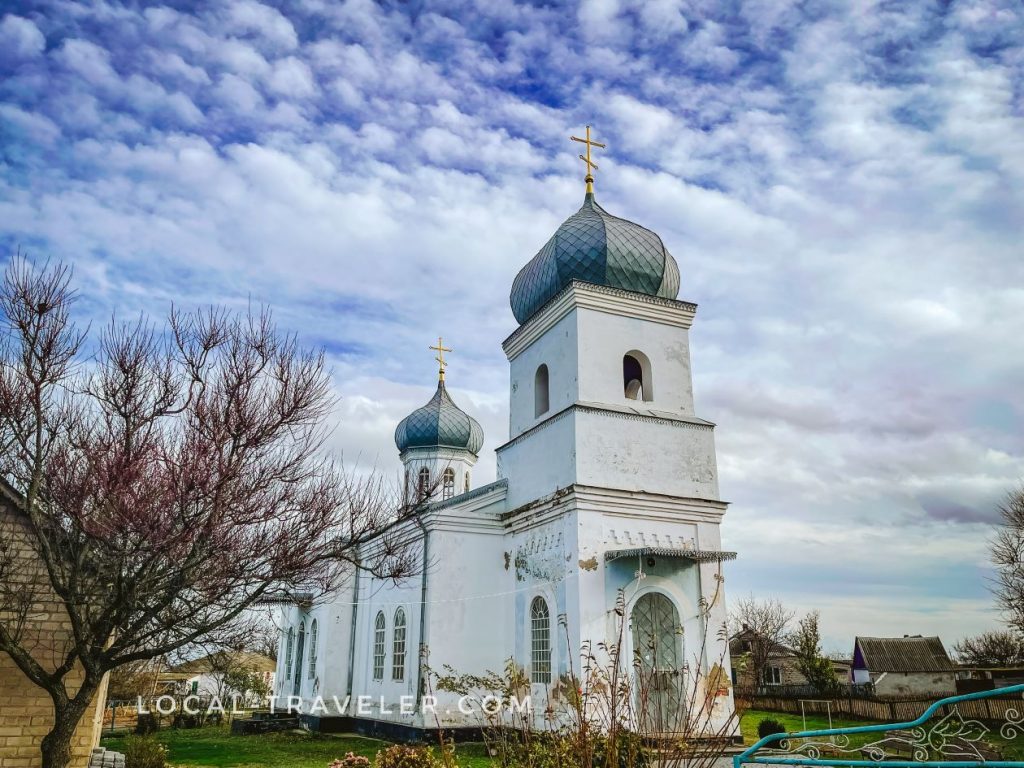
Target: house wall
{"points": [[26, 712], [914, 683]]}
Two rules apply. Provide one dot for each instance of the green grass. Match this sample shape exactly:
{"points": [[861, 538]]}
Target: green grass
{"points": [[216, 746]]}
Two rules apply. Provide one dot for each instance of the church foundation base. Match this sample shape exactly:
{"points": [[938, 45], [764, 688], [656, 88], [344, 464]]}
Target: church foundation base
{"points": [[387, 730]]}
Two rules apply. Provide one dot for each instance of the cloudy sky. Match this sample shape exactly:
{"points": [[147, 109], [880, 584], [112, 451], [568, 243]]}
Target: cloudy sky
{"points": [[841, 183]]}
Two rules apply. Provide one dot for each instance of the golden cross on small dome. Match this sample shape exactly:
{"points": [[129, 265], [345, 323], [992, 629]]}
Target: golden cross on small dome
{"points": [[441, 349], [591, 165]]}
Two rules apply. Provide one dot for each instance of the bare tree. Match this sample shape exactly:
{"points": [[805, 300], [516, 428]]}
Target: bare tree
{"points": [[999, 648], [764, 625], [1008, 557], [165, 479]]}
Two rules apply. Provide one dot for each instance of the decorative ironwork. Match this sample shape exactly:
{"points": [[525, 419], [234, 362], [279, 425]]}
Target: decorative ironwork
{"points": [[951, 741]]}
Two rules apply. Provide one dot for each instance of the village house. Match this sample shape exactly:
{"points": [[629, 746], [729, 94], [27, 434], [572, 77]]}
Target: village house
{"points": [[26, 712], [904, 666], [780, 673], [224, 674]]}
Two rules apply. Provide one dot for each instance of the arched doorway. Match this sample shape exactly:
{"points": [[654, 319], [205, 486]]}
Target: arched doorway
{"points": [[657, 641]]}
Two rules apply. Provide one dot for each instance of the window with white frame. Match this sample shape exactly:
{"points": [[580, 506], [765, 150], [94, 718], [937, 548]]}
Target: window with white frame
{"points": [[398, 647], [466, 483], [424, 484], [448, 483], [540, 641], [773, 675], [379, 651], [312, 648]]}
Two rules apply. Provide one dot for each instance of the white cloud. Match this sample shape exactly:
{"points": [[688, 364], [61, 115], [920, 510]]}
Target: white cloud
{"points": [[20, 37]]}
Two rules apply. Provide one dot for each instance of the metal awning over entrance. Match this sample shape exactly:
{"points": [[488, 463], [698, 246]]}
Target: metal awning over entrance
{"points": [[695, 555]]}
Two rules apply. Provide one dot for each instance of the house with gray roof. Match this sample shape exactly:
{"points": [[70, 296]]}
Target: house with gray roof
{"points": [[906, 666]]}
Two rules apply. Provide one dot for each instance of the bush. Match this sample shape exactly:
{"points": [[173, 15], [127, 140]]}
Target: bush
{"points": [[144, 752], [351, 760], [400, 756], [769, 726]]}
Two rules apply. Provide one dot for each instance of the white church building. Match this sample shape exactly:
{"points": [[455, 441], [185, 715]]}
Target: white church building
{"points": [[607, 484]]}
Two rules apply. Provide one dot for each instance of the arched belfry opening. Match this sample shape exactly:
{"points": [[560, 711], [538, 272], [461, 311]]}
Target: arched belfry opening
{"points": [[636, 376], [541, 398]]}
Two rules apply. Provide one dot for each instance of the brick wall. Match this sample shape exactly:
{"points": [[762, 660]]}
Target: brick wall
{"points": [[26, 713]]}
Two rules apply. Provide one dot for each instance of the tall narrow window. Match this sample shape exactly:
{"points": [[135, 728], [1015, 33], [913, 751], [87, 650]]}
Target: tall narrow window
{"points": [[448, 484], [636, 376], [424, 485], [466, 484], [540, 641], [378, 647], [300, 645], [289, 649], [398, 647], [312, 648], [541, 402]]}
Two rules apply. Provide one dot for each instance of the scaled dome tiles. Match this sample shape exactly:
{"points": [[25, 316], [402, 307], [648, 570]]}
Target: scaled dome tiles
{"points": [[439, 424]]}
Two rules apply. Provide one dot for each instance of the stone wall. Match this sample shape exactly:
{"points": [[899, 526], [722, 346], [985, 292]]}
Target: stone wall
{"points": [[26, 712]]}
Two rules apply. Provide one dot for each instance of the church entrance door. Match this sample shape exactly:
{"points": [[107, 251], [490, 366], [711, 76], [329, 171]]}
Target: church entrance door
{"points": [[657, 638]]}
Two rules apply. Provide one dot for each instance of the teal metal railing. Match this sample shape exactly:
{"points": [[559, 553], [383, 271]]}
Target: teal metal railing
{"points": [[952, 741]]}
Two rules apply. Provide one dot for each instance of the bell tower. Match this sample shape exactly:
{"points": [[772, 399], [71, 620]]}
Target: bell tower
{"points": [[600, 367]]}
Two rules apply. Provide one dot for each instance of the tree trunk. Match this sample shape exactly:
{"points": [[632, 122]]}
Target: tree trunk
{"points": [[56, 745]]}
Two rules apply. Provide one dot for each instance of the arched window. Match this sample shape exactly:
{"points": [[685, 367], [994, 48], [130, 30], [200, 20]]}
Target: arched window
{"points": [[466, 484], [448, 483], [312, 649], [541, 402], [398, 647], [424, 485], [298, 656], [289, 649], [378, 647], [540, 641], [636, 376]]}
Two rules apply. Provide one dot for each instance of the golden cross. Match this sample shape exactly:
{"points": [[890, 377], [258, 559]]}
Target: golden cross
{"points": [[591, 165], [441, 349]]}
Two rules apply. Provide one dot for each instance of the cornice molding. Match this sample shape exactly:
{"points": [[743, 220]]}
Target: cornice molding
{"points": [[623, 412], [588, 499], [601, 298]]}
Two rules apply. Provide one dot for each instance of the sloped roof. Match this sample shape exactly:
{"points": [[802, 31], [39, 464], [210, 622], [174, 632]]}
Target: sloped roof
{"points": [[254, 661], [904, 654]]}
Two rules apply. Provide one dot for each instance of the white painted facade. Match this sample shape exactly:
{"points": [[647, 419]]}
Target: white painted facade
{"points": [[595, 474]]}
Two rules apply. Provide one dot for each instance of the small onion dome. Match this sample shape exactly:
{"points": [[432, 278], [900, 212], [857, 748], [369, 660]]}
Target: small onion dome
{"points": [[595, 247], [439, 424]]}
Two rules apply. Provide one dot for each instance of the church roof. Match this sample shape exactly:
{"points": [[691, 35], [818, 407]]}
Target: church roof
{"points": [[594, 246], [439, 424]]}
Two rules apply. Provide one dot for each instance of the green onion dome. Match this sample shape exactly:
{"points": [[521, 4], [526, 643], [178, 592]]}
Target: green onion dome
{"points": [[439, 424], [595, 247]]}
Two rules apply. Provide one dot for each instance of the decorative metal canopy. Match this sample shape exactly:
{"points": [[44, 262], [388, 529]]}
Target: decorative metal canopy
{"points": [[696, 555]]}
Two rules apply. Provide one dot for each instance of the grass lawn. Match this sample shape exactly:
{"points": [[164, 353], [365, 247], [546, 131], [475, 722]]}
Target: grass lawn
{"points": [[217, 746]]}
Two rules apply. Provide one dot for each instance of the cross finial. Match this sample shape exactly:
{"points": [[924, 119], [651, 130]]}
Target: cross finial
{"points": [[441, 349], [591, 165]]}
